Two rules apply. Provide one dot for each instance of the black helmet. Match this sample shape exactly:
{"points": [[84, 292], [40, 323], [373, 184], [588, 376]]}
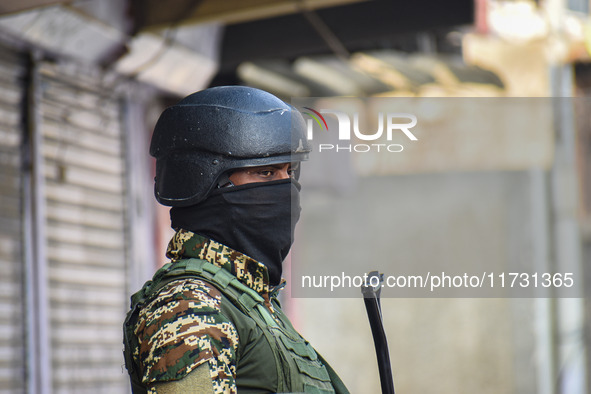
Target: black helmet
{"points": [[219, 129]]}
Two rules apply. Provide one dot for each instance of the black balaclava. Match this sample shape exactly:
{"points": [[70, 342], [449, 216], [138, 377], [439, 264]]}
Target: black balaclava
{"points": [[257, 219]]}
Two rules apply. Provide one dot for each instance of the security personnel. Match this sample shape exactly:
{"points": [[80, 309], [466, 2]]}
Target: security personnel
{"points": [[227, 162]]}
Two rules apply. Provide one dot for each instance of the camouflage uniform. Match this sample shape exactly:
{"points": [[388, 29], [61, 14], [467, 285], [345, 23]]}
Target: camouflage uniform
{"points": [[184, 325]]}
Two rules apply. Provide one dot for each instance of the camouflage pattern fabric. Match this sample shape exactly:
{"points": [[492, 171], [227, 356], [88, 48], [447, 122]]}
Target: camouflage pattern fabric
{"points": [[186, 244], [181, 329], [182, 326]]}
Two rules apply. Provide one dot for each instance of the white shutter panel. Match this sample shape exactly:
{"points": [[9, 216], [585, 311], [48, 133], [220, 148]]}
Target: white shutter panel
{"points": [[85, 193], [12, 341]]}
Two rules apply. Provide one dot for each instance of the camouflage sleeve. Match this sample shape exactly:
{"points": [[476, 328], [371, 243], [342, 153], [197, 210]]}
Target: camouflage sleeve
{"points": [[181, 329]]}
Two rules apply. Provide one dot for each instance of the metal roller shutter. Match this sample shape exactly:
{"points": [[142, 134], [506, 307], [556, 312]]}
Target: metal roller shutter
{"points": [[12, 322], [83, 167]]}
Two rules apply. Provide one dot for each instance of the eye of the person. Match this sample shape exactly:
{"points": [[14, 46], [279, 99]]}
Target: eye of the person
{"points": [[267, 172]]}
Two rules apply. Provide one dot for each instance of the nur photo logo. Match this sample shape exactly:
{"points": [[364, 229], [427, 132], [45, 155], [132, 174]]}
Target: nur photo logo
{"points": [[389, 125]]}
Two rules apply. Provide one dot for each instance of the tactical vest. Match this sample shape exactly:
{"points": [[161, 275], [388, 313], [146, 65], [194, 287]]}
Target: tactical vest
{"points": [[298, 367]]}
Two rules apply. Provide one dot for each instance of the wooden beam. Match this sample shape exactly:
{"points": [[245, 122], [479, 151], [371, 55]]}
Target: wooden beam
{"points": [[14, 6], [158, 14]]}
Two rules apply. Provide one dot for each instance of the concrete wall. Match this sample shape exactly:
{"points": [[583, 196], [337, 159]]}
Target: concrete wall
{"points": [[452, 222]]}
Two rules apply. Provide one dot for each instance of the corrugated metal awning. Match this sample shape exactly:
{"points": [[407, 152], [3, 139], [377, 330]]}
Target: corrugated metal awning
{"points": [[371, 73]]}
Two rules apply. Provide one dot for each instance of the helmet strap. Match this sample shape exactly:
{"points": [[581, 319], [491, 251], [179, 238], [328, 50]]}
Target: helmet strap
{"points": [[224, 180]]}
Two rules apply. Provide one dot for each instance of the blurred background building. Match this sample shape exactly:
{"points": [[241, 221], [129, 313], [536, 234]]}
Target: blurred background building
{"points": [[83, 82]]}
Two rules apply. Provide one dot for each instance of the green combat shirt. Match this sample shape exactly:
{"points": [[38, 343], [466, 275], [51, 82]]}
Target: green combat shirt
{"points": [[190, 321]]}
